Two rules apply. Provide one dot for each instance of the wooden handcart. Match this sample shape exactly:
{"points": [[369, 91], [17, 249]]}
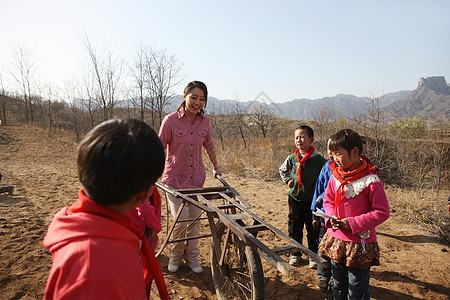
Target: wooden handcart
{"points": [[235, 247]]}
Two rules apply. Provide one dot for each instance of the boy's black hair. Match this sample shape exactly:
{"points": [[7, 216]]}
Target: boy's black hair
{"points": [[347, 139], [308, 129], [118, 159]]}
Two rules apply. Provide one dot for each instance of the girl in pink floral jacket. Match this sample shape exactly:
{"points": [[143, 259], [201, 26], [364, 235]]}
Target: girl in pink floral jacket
{"points": [[356, 200]]}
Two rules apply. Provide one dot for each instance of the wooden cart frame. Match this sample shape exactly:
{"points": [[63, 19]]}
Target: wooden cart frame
{"points": [[235, 248]]}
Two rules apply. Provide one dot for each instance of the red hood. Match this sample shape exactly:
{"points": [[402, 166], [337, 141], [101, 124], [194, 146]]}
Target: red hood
{"points": [[66, 228]]}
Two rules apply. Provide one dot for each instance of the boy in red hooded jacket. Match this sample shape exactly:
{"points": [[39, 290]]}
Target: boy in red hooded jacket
{"points": [[98, 252]]}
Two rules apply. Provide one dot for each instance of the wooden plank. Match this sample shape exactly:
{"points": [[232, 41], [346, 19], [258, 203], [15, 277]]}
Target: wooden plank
{"points": [[284, 250], [282, 266], [238, 216], [225, 206], [190, 220], [209, 195], [190, 238], [237, 195], [204, 190], [225, 245], [175, 193], [256, 228]]}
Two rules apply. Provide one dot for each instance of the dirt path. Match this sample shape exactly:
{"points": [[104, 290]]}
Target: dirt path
{"points": [[415, 265]]}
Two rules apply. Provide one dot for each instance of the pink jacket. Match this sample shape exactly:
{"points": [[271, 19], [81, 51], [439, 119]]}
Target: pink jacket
{"points": [[365, 205], [93, 258], [183, 141]]}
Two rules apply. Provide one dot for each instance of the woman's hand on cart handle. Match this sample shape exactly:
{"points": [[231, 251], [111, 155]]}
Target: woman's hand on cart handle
{"points": [[216, 173]]}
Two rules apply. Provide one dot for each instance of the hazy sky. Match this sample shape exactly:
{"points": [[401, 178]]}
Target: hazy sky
{"points": [[286, 49]]}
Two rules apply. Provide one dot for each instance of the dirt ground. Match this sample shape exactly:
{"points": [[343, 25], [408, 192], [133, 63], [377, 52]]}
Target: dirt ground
{"points": [[414, 263]]}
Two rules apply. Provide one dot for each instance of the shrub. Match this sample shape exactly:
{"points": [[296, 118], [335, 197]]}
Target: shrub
{"points": [[409, 128]]}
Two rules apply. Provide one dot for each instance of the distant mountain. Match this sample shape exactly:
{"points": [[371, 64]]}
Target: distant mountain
{"points": [[346, 105], [298, 109], [430, 101]]}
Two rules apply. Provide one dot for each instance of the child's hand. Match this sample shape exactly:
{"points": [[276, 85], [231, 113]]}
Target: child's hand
{"points": [[316, 225], [341, 224], [149, 233], [334, 224], [291, 183]]}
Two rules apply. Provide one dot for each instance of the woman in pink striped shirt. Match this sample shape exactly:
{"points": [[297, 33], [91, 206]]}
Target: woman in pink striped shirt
{"points": [[183, 134]]}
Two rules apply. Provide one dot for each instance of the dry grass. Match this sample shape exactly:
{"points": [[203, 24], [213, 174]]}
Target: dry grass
{"points": [[425, 207], [260, 159]]}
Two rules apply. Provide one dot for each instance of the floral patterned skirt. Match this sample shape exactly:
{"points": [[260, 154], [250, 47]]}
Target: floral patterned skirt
{"points": [[350, 254]]}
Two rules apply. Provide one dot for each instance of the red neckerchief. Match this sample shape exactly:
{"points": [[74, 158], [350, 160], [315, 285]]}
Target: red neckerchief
{"points": [[150, 266], [304, 158], [344, 177]]}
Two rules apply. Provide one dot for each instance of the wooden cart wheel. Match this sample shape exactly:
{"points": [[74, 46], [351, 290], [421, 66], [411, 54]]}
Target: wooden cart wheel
{"points": [[241, 275]]}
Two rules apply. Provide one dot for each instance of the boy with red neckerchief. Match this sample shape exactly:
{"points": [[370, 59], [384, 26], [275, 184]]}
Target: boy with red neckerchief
{"points": [[356, 199], [300, 171], [98, 252]]}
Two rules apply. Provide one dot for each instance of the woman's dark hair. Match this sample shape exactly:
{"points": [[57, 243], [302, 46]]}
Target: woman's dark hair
{"points": [[189, 87], [118, 159], [347, 139]]}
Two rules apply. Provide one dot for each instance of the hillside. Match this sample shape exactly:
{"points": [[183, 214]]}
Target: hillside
{"points": [[430, 101]]}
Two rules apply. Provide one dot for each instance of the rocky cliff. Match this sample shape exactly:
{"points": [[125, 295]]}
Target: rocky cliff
{"points": [[430, 101], [435, 83]]}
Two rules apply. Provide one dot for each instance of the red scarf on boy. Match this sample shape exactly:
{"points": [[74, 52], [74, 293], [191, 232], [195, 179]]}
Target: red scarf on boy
{"points": [[304, 158], [150, 265], [344, 177]]}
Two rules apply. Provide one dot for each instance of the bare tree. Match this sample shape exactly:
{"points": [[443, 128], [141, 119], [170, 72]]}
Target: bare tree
{"points": [[372, 120], [218, 121], [49, 109], [107, 70], [88, 101], [261, 117], [141, 100], [23, 71], [138, 71], [3, 101], [326, 121], [75, 115], [441, 162], [238, 119], [162, 73]]}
